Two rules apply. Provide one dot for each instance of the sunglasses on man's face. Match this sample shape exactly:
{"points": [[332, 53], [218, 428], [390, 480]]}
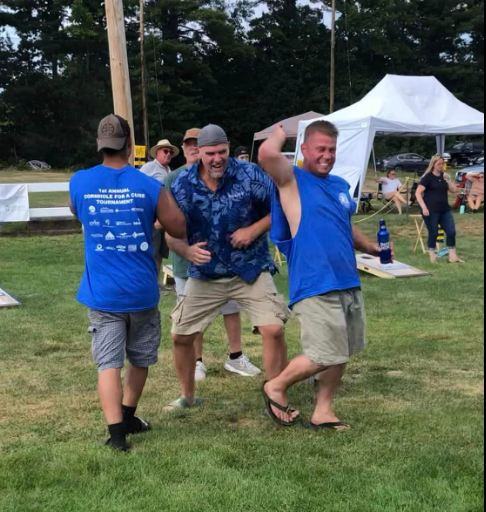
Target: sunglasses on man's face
{"points": [[167, 152]]}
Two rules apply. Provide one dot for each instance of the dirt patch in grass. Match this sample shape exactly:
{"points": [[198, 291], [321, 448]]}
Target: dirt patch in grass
{"points": [[474, 230], [466, 387]]}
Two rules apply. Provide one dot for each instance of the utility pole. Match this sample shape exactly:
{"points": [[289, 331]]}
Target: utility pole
{"points": [[333, 58], [144, 76], [120, 77]]}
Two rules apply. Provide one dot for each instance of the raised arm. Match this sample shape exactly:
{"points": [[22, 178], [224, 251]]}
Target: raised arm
{"points": [[282, 173], [170, 217], [473, 176], [452, 186], [279, 168]]}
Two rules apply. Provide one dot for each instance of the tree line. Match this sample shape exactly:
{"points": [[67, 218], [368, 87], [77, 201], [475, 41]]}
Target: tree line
{"points": [[243, 64]]}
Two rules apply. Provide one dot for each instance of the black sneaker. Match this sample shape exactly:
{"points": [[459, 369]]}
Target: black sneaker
{"points": [[124, 448], [137, 425]]}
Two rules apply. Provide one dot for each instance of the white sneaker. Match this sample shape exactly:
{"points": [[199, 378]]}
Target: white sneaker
{"points": [[243, 367], [201, 371]]}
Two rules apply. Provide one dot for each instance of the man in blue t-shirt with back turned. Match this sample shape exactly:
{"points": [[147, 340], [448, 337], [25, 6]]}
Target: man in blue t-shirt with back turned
{"points": [[311, 224], [118, 206]]}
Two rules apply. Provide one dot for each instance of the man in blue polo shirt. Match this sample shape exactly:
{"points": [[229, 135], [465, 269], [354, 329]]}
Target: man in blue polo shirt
{"points": [[227, 205], [118, 206], [311, 224]]}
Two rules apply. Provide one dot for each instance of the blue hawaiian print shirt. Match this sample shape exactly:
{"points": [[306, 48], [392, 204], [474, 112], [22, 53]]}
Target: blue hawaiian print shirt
{"points": [[243, 197]]}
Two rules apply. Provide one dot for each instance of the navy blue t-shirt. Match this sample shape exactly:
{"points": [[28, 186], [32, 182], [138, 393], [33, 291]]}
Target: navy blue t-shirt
{"points": [[321, 257], [117, 209]]}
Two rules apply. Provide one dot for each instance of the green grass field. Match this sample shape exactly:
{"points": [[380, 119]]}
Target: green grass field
{"points": [[415, 399]]}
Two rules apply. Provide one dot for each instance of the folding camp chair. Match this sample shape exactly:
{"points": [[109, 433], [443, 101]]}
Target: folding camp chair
{"points": [[365, 205], [380, 196]]}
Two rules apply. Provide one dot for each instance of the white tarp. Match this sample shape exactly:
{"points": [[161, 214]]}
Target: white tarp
{"points": [[14, 203], [399, 105]]}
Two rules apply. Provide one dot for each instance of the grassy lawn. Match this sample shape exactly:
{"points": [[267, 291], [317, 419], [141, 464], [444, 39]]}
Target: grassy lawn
{"points": [[415, 399]]}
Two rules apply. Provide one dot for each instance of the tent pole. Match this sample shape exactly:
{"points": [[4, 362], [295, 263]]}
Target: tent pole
{"points": [[252, 150], [374, 161], [333, 59]]}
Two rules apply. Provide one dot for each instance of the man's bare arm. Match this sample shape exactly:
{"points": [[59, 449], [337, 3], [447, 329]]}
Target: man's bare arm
{"points": [[243, 238], [275, 164], [282, 173], [195, 254], [170, 216]]}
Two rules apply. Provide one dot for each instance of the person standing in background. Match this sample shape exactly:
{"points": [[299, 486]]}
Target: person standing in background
{"points": [[243, 154], [433, 198], [159, 169]]}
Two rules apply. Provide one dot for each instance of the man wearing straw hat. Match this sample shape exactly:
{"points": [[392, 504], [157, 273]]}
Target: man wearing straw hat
{"points": [[162, 155]]}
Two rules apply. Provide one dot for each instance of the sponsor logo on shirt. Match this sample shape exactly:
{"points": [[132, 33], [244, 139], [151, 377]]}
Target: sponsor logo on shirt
{"points": [[345, 200], [99, 248], [110, 236], [92, 210], [95, 224], [124, 236], [110, 248], [108, 222], [97, 235], [138, 210], [144, 247], [121, 248], [132, 248], [107, 211], [137, 223], [138, 235], [122, 223]]}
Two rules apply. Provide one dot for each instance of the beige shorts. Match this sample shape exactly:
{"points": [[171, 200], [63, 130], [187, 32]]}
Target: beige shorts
{"points": [[333, 327], [203, 301]]}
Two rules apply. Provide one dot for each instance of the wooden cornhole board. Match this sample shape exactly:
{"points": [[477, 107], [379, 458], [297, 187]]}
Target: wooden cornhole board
{"points": [[6, 300], [397, 270]]}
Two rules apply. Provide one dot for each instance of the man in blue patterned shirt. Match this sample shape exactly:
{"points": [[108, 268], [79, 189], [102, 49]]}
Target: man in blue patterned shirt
{"points": [[227, 206]]}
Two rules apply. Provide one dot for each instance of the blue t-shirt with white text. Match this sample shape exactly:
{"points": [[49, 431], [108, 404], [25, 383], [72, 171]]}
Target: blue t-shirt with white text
{"points": [[117, 208]]}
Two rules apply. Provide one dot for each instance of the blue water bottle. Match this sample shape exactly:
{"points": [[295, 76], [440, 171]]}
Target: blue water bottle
{"points": [[384, 242]]}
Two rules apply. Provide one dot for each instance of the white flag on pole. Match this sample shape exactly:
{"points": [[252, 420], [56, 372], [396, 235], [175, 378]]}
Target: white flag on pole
{"points": [[14, 203]]}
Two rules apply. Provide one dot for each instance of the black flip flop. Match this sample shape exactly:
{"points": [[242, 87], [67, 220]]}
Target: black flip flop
{"points": [[339, 426], [269, 403]]}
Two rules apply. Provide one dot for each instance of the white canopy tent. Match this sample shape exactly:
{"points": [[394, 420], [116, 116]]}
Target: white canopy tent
{"points": [[399, 105]]}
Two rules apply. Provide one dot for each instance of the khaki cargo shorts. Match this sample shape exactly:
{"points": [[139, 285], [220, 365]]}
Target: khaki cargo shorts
{"points": [[203, 300], [333, 327]]}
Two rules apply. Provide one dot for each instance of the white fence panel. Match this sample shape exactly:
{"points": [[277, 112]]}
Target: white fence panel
{"points": [[60, 213]]}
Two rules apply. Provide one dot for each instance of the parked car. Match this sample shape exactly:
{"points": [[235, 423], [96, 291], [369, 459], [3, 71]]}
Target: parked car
{"points": [[460, 174], [465, 153], [404, 162]]}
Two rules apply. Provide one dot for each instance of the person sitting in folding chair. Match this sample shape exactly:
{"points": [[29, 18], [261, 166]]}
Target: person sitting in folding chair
{"points": [[392, 189], [475, 197]]}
